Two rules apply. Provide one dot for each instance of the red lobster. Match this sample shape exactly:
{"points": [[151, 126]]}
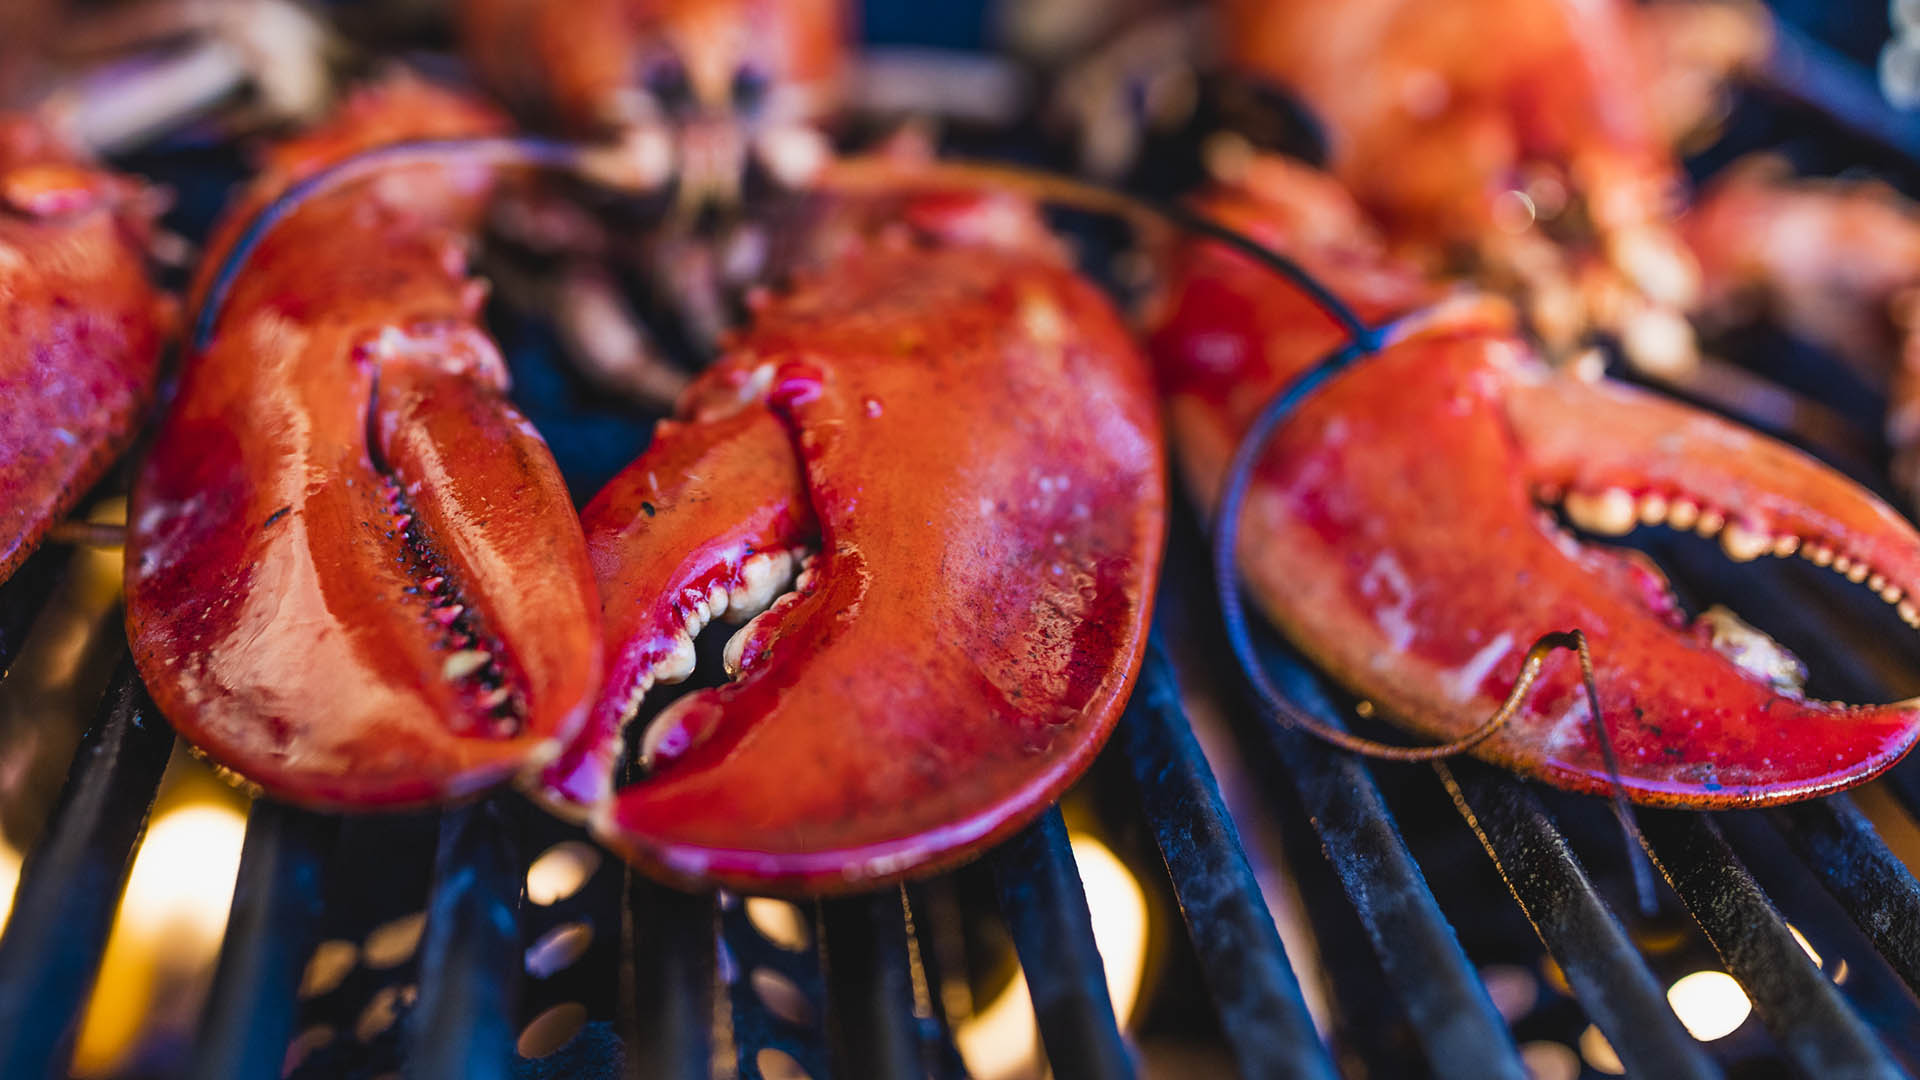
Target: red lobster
{"points": [[963, 432], [81, 328], [1835, 262], [1397, 527], [1530, 141], [354, 575], [709, 100], [342, 509]]}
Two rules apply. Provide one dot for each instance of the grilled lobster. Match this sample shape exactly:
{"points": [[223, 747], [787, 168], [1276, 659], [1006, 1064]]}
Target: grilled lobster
{"points": [[354, 575], [1533, 139], [714, 89], [1399, 527], [1835, 262], [963, 436], [343, 510], [81, 328], [712, 102]]}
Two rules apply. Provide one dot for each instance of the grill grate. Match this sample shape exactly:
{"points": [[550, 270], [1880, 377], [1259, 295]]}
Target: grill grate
{"points": [[464, 1022], [865, 984]]}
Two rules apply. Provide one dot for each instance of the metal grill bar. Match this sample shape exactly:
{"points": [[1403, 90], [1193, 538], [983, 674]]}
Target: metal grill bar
{"points": [[21, 598], [1462, 1033], [1796, 1002], [471, 962], [673, 936], [1045, 908], [277, 904], [72, 880], [1241, 957], [869, 987], [1607, 973], [1841, 848]]}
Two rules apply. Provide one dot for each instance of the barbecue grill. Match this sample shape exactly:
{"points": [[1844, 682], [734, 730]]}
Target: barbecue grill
{"points": [[1448, 919]]}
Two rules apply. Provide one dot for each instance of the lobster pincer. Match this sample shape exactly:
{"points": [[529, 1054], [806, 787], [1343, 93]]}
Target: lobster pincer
{"points": [[354, 575], [81, 328], [952, 439], [1404, 527]]}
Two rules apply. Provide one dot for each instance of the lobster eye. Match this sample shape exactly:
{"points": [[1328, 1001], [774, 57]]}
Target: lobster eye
{"points": [[666, 80], [749, 89]]}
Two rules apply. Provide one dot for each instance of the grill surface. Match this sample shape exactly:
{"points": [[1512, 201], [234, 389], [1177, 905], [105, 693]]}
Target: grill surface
{"points": [[1404, 914]]}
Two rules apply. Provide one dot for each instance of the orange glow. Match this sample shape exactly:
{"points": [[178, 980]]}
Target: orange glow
{"points": [[1002, 1040], [166, 934], [9, 881]]}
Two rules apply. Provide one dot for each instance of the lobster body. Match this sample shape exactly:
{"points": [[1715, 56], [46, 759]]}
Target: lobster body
{"points": [[81, 328], [354, 574], [594, 66], [1528, 142], [1432, 110], [963, 431], [1399, 527], [1836, 263]]}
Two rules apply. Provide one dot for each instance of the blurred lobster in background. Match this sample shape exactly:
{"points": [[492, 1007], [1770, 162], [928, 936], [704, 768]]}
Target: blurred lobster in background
{"points": [[713, 102], [1836, 263], [1528, 143]]}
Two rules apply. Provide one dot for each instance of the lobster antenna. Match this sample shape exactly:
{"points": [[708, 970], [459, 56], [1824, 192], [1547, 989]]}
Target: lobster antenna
{"points": [[1637, 856], [500, 150], [869, 176]]}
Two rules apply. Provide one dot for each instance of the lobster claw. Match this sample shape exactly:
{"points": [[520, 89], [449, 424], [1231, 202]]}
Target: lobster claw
{"points": [[354, 574], [1400, 530], [75, 376], [1621, 457], [966, 439]]}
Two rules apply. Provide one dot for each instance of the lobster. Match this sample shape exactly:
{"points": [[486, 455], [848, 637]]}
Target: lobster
{"points": [[1835, 262], [963, 434], [957, 427], [353, 573], [1400, 525], [82, 326], [1529, 143], [711, 101]]}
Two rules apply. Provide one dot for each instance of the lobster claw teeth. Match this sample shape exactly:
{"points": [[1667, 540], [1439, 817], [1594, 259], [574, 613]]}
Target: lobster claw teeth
{"points": [[1625, 457], [703, 519]]}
